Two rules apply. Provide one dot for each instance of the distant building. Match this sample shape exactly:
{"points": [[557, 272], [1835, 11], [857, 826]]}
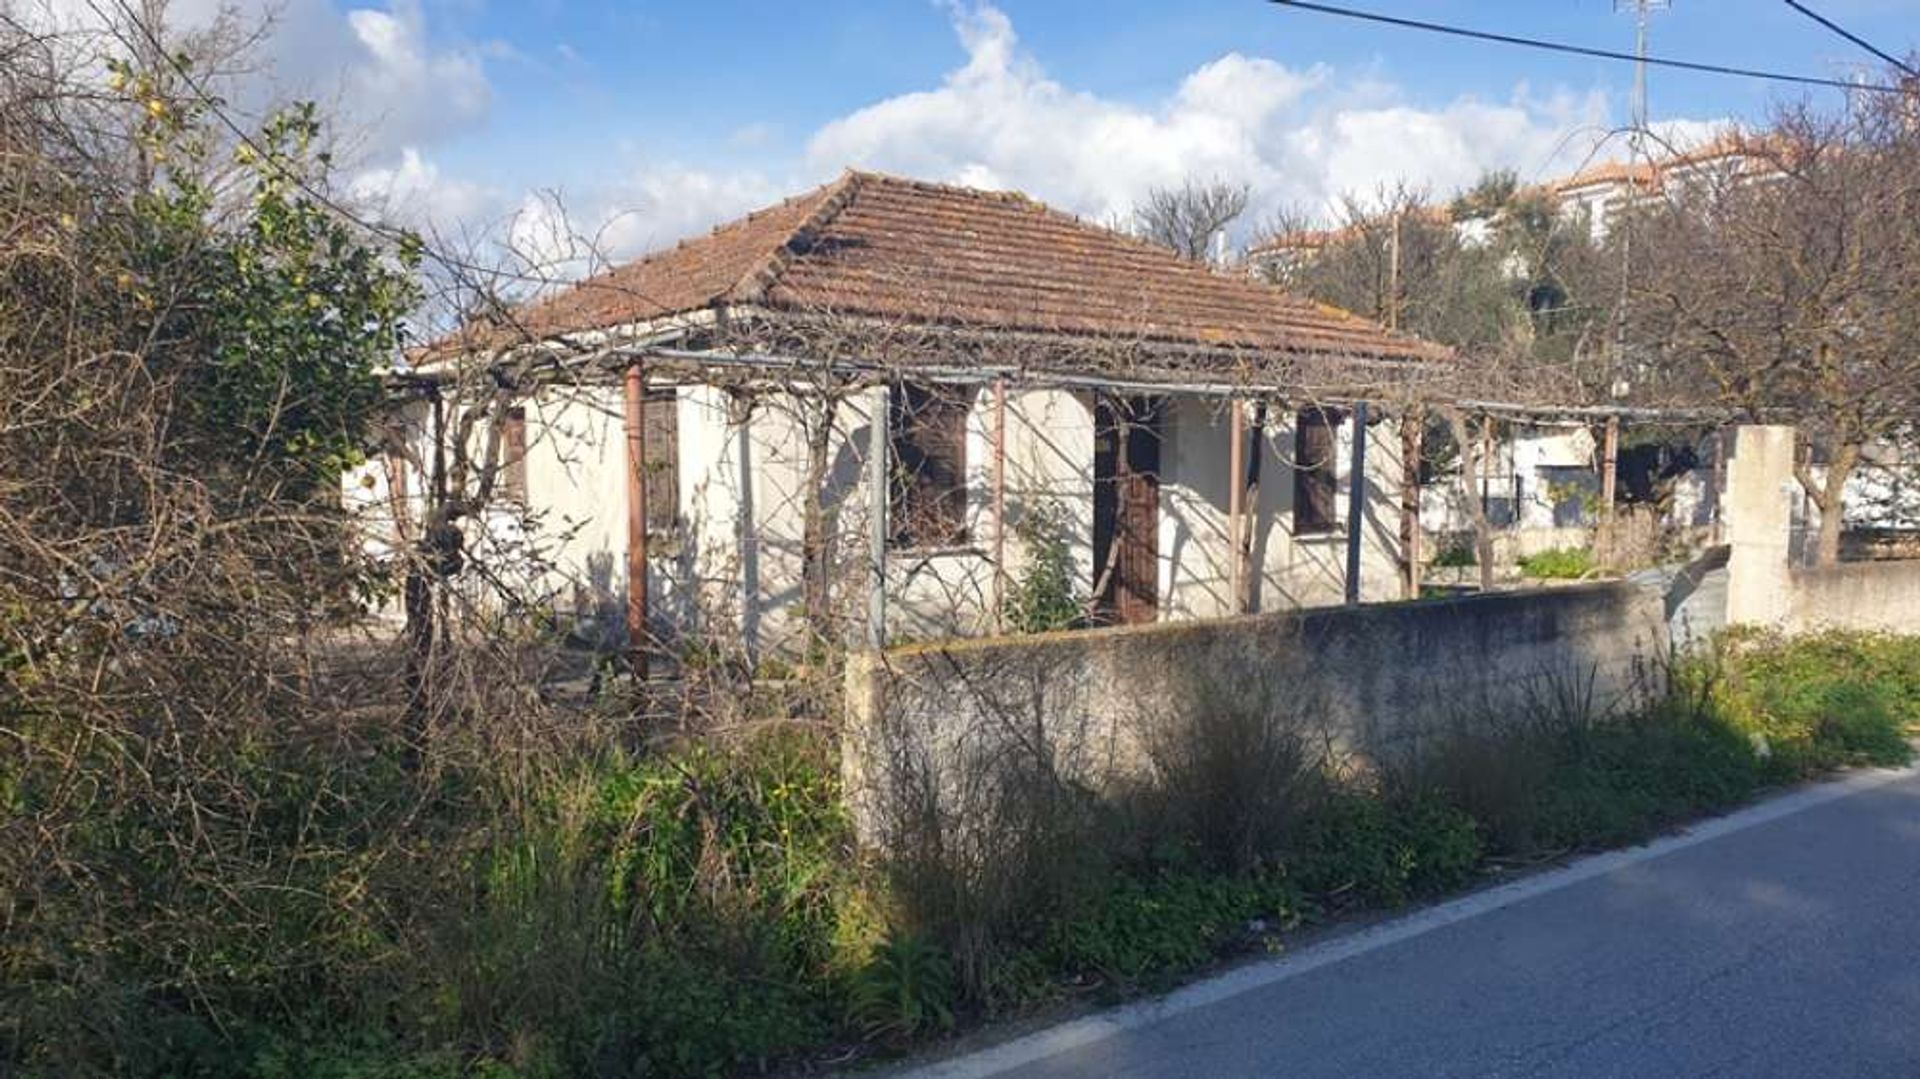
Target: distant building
{"points": [[1597, 192]]}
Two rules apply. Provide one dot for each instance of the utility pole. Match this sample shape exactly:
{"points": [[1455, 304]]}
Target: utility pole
{"points": [[1637, 155]]}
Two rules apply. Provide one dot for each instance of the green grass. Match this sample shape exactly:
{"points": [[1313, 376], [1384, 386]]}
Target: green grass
{"points": [[1558, 563], [700, 910]]}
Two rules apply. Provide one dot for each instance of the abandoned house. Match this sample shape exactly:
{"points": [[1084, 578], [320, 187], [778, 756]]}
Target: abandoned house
{"points": [[1182, 441]]}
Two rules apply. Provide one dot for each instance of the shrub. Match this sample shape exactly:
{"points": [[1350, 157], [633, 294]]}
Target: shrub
{"points": [[1558, 563], [1045, 596], [1819, 702], [1361, 848], [1760, 711], [1143, 929], [906, 988], [1229, 782]]}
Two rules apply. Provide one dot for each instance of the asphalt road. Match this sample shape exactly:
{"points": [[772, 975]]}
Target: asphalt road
{"points": [[1784, 941]]}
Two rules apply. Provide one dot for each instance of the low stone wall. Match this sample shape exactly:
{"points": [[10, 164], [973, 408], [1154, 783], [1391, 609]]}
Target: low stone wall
{"points": [[1088, 707], [1879, 545], [1879, 596]]}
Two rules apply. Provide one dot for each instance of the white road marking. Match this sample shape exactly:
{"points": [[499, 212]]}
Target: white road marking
{"points": [[1082, 1032]]}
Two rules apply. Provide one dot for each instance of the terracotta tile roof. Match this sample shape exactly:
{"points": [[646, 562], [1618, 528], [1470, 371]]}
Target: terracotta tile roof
{"points": [[887, 247], [1748, 153], [1605, 174], [1315, 239]]}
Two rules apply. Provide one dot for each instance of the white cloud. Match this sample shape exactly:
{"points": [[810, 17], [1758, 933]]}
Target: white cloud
{"points": [[413, 191], [554, 234], [392, 77], [658, 204], [647, 208], [1297, 136], [376, 67]]}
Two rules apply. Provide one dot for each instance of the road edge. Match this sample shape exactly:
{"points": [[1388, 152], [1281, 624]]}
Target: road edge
{"points": [[1077, 1033]]}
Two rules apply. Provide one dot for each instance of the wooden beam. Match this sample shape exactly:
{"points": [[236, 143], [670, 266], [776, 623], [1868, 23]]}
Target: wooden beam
{"points": [[1237, 506], [879, 498], [1610, 467], [1412, 447], [1356, 502], [999, 500], [638, 633], [1606, 536]]}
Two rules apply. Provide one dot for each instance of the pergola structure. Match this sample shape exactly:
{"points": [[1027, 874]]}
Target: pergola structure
{"points": [[871, 281]]}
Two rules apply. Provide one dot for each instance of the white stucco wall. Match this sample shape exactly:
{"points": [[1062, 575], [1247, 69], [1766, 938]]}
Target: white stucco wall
{"points": [[731, 569], [1292, 571]]}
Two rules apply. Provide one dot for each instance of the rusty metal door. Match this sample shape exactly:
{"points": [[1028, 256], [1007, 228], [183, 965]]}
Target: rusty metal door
{"points": [[1126, 508]]}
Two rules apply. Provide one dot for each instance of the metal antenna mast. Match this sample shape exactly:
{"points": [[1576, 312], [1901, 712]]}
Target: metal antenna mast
{"points": [[1621, 387], [1642, 10]]}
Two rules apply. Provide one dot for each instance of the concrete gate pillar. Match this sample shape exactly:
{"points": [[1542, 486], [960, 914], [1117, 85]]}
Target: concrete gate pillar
{"points": [[1759, 524]]}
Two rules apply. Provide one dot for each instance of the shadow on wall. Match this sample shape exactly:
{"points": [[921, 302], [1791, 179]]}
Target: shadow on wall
{"points": [[942, 723]]}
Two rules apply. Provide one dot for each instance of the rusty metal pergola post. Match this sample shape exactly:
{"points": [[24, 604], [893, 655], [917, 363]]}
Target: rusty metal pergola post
{"points": [[1610, 467], [1237, 506], [1412, 447], [636, 424], [1356, 502], [879, 497], [999, 501]]}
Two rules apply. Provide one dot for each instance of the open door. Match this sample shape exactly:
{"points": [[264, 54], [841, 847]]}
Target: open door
{"points": [[1126, 508]]}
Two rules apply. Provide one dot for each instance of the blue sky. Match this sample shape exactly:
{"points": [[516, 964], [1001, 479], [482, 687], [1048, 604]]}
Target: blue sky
{"points": [[680, 78], [647, 121]]}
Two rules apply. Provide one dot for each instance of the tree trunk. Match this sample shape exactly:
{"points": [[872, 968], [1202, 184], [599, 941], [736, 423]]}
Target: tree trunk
{"points": [[1411, 431], [1828, 495], [1470, 464]]}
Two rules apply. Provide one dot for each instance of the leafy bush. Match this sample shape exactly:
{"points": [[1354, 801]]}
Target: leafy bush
{"points": [[1363, 849], [1045, 597], [1456, 554], [905, 989], [681, 912], [1619, 782], [1760, 711], [1144, 929], [1824, 701], [1558, 563]]}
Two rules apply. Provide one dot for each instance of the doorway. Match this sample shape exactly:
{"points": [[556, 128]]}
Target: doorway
{"points": [[1127, 437]]}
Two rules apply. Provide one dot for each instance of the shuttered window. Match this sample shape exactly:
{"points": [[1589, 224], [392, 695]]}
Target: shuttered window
{"points": [[1316, 472], [661, 414], [927, 430], [513, 455]]}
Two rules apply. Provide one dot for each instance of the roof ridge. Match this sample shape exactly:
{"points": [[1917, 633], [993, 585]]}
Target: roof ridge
{"points": [[1001, 194], [765, 271]]}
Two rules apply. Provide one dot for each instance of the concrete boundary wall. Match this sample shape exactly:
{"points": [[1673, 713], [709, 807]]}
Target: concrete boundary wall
{"points": [[1763, 589], [1874, 596], [1368, 681]]}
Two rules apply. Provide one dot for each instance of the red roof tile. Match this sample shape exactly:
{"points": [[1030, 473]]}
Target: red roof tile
{"points": [[882, 246]]}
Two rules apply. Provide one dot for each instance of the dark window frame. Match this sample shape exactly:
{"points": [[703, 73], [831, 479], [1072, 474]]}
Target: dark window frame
{"points": [[929, 496], [1316, 472], [660, 482], [513, 454]]}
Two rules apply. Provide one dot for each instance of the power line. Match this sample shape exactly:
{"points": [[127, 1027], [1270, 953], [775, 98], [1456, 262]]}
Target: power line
{"points": [[1580, 50], [1851, 36]]}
